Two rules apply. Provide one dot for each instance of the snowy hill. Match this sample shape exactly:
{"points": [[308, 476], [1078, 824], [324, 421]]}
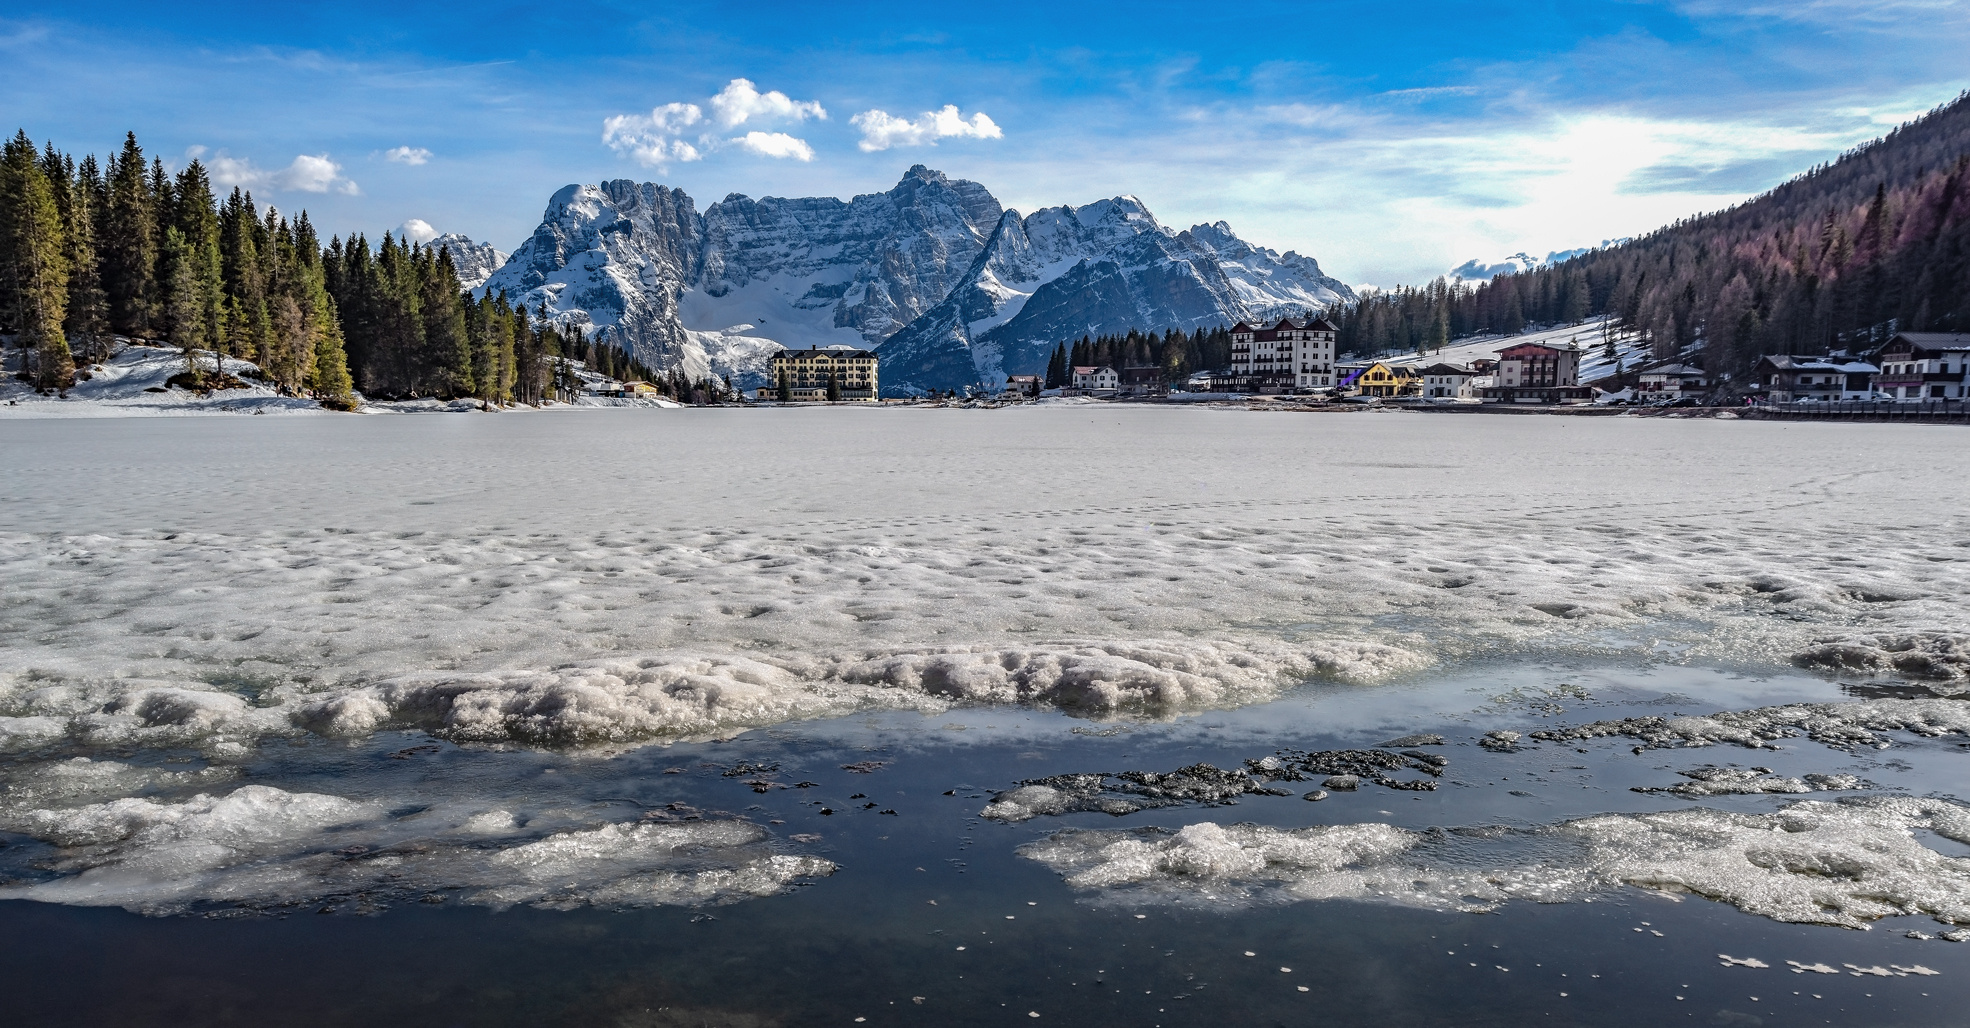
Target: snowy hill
{"points": [[1631, 350], [475, 261], [951, 287]]}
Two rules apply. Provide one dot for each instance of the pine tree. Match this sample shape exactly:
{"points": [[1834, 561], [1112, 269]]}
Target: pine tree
{"points": [[34, 263], [184, 314], [88, 306], [444, 327], [244, 280], [129, 243], [196, 217]]}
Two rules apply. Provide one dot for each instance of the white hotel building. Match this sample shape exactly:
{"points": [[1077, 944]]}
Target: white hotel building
{"points": [[1297, 354]]}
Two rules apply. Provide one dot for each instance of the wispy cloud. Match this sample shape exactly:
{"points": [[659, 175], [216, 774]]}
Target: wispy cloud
{"points": [[411, 155], [882, 130], [659, 138]]}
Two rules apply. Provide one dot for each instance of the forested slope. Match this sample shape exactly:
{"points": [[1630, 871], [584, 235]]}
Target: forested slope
{"points": [[1842, 256]]}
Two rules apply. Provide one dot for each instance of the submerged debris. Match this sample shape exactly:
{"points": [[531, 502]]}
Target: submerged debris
{"points": [[1420, 739], [863, 767], [1362, 765], [1125, 792]]}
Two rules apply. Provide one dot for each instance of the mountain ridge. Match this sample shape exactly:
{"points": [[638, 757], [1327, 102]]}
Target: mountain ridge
{"points": [[946, 285]]}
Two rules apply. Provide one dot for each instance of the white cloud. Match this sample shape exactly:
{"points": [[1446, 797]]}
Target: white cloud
{"points": [[411, 155], [417, 230], [882, 130], [306, 173], [681, 132], [310, 174], [741, 100], [775, 144], [653, 139]]}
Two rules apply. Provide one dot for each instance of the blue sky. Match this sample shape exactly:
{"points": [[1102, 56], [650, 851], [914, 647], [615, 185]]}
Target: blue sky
{"points": [[1391, 141]]}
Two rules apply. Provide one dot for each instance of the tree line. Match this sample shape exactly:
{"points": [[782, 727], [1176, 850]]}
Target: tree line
{"points": [[1179, 354], [91, 251]]}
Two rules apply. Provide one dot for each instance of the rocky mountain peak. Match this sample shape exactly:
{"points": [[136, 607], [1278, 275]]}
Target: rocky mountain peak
{"points": [[953, 288]]}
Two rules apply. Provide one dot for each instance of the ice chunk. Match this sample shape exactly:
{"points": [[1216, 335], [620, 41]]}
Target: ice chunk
{"points": [[261, 847], [1732, 781], [1847, 863], [1835, 724], [1941, 656]]}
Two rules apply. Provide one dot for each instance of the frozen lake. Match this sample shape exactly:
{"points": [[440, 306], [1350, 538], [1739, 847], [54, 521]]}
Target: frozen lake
{"points": [[573, 691]]}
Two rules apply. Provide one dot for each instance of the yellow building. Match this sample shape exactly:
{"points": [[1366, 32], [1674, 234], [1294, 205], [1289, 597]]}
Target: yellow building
{"points": [[1382, 380], [836, 373]]}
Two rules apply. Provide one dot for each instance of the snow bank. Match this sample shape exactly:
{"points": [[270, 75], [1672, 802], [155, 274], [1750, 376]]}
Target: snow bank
{"points": [[135, 383]]}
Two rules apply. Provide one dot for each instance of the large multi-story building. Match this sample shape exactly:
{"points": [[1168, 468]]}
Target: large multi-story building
{"points": [[1294, 355], [1925, 366], [1536, 373], [835, 373]]}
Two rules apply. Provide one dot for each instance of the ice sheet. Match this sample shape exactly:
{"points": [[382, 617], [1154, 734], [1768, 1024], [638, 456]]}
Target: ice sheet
{"points": [[671, 574]]}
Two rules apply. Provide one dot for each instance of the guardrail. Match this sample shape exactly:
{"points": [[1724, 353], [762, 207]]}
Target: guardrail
{"points": [[1945, 411]]}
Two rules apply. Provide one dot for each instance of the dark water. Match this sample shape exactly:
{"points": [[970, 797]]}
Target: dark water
{"points": [[879, 940]]}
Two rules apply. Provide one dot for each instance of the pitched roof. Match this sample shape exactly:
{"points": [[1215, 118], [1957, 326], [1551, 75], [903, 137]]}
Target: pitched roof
{"points": [[1522, 347], [1793, 362], [1447, 369], [1933, 340]]}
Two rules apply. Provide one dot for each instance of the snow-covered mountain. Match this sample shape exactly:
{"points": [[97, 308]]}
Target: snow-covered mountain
{"points": [[949, 287], [475, 261], [1063, 272], [1478, 270]]}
